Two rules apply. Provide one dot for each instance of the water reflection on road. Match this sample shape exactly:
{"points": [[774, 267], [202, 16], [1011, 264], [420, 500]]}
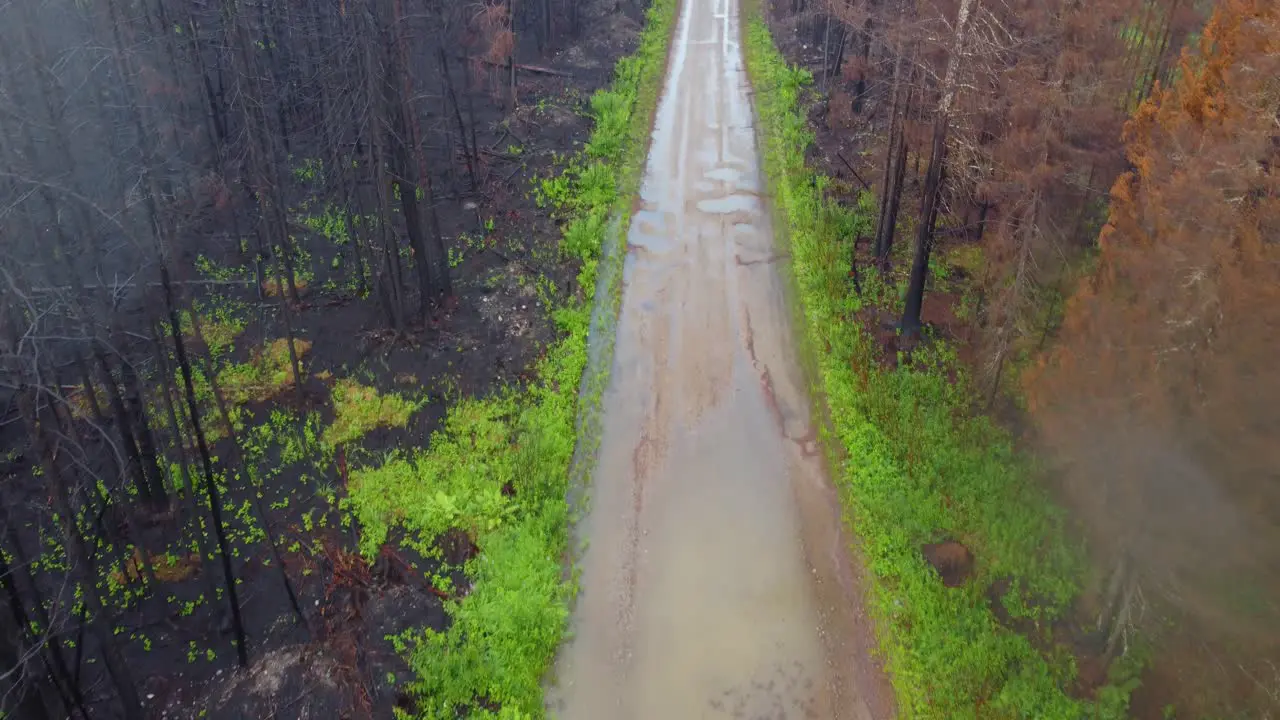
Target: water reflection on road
{"points": [[717, 582]]}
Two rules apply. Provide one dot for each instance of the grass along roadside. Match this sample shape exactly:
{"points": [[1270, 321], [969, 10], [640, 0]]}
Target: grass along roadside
{"points": [[917, 466], [500, 467]]}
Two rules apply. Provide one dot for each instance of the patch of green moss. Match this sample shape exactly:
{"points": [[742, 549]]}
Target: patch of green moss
{"points": [[359, 409], [267, 374]]}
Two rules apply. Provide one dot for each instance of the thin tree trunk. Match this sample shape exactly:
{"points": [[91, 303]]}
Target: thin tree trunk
{"points": [[211, 482], [826, 54], [894, 201], [888, 209], [406, 163], [124, 428], [1163, 52], [26, 692], [216, 122], [840, 46], [547, 39], [511, 59], [422, 260], [286, 316], [860, 88], [255, 489], [264, 164], [207, 552], [931, 194], [146, 440], [99, 419], [103, 616], [437, 255], [457, 116], [62, 417], [362, 286], [388, 281], [932, 191], [90, 392], [68, 689], [471, 114]]}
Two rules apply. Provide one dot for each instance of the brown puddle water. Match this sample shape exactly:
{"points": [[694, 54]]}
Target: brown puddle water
{"points": [[717, 582]]}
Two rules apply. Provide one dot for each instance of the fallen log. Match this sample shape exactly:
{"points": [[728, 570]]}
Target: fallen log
{"points": [[537, 69]]}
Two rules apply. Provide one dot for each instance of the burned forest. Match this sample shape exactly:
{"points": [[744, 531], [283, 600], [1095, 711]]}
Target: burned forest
{"points": [[1051, 228], [250, 252]]}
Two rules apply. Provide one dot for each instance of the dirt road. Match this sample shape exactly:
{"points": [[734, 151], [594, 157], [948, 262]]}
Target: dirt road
{"points": [[717, 581]]}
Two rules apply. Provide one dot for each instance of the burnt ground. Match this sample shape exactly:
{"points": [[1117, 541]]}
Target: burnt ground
{"points": [[335, 662]]}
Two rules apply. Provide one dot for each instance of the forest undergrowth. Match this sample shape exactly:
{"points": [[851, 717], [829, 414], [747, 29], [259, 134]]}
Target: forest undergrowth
{"points": [[500, 467], [916, 466]]}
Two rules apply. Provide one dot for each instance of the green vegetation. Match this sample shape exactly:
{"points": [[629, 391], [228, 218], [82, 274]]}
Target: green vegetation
{"points": [[918, 466], [330, 224], [311, 170], [360, 408], [499, 469], [220, 324], [456, 483], [268, 373]]}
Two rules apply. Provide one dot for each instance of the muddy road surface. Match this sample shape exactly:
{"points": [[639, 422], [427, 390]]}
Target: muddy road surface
{"points": [[717, 581]]}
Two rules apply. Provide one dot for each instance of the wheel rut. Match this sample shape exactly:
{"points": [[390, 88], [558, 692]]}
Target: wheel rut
{"points": [[718, 581]]}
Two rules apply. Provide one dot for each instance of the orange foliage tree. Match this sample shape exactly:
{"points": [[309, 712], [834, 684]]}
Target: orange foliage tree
{"points": [[1162, 394]]}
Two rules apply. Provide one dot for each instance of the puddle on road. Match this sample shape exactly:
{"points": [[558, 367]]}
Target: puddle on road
{"points": [[724, 174], [716, 582], [729, 204], [650, 234]]}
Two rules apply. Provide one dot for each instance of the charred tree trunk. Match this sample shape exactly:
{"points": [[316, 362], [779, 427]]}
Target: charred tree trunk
{"points": [[99, 419], [471, 114], [931, 194], [62, 419], [286, 317], [27, 693], [125, 429], [103, 616], [468, 152], [860, 87], [167, 392], [211, 482], [545, 25], [838, 64], [421, 260], [826, 53], [51, 648], [437, 254], [146, 439], [932, 191], [894, 164], [356, 236], [891, 204], [388, 281], [254, 486], [511, 58]]}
